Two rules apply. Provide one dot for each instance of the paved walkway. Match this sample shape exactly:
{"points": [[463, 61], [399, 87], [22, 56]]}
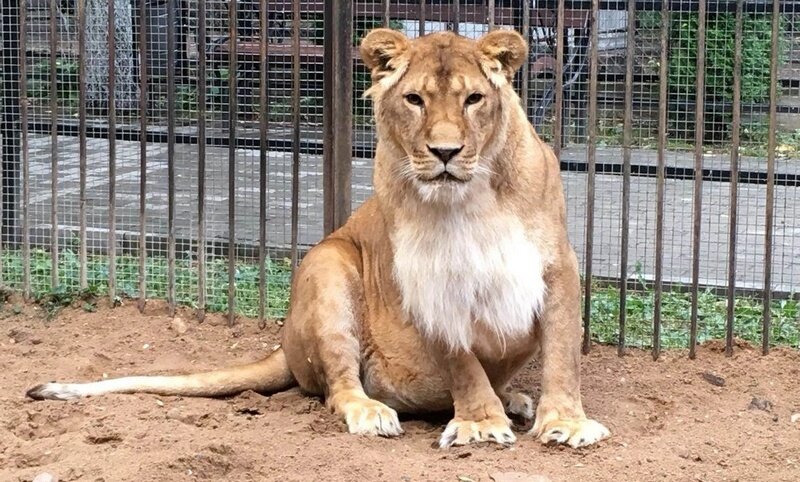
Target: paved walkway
{"points": [[677, 220]]}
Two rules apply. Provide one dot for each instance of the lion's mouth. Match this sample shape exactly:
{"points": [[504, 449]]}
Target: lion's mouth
{"points": [[445, 178]]}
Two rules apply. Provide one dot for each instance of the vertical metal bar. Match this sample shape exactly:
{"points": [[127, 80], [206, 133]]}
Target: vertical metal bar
{"points": [[233, 111], [53, 145], [698, 173], [112, 153], [82, 154], [558, 123], [295, 128], [526, 34], [591, 154], [143, 97], [421, 18], [385, 4], [201, 161], [262, 168], [626, 172], [337, 113], [171, 156], [23, 95], [661, 178], [770, 207], [456, 15], [490, 16], [734, 187]]}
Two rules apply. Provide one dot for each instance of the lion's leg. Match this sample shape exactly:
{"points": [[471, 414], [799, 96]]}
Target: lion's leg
{"points": [[500, 373], [479, 413], [322, 342], [559, 416]]}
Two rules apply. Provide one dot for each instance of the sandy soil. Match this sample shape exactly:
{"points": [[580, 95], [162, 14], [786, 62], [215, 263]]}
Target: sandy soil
{"points": [[674, 419]]}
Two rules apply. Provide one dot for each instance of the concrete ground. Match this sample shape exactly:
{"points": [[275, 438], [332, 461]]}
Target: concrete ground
{"points": [[608, 207]]}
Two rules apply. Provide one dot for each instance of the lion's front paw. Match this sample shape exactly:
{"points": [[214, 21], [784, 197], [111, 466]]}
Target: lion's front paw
{"points": [[573, 432], [370, 417], [463, 432]]}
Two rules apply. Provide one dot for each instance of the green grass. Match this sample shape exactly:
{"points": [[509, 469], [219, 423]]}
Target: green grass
{"points": [[156, 270], [676, 313], [675, 308]]}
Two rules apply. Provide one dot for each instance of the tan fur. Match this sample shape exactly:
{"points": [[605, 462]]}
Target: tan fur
{"points": [[449, 279]]}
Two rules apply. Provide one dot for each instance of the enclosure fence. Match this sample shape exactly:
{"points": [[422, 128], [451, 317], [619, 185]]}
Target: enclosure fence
{"points": [[195, 150]]}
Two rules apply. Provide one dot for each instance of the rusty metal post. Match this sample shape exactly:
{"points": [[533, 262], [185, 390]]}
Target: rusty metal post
{"points": [[201, 161], [295, 212], [143, 95], [626, 170], [337, 113], [697, 198], [558, 123], [734, 187], [590, 184], [263, 96], [53, 34], [770, 201], [661, 179]]}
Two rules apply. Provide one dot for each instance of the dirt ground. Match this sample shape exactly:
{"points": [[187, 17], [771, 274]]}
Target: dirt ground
{"points": [[674, 419]]}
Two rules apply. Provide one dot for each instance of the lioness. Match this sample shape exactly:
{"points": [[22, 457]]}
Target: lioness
{"points": [[447, 281]]}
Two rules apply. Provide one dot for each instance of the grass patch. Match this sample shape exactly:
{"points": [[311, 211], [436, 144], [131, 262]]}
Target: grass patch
{"points": [[278, 275], [676, 315], [675, 308]]}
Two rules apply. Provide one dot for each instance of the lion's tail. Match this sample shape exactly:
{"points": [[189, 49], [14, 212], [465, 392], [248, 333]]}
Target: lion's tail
{"points": [[270, 374]]}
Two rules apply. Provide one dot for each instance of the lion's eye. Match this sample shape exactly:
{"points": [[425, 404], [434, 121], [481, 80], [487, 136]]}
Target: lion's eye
{"points": [[474, 98], [415, 99]]}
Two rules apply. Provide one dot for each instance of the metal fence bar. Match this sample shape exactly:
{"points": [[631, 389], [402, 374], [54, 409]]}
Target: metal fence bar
{"points": [[770, 201], [626, 178], [661, 179], [734, 184], [112, 153], [53, 145], [337, 115], [456, 15], [296, 129], [590, 184], [490, 19], [201, 161], [233, 111], [421, 18], [262, 168], [697, 199], [558, 122], [83, 154], [385, 8], [24, 105], [526, 33], [144, 89], [171, 281]]}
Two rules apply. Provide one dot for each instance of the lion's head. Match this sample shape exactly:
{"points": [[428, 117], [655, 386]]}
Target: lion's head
{"points": [[442, 104]]}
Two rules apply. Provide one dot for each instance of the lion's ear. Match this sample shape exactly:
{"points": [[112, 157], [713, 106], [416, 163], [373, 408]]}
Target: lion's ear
{"points": [[506, 51], [379, 47]]}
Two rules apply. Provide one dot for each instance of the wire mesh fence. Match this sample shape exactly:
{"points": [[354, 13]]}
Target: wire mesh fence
{"points": [[198, 151]]}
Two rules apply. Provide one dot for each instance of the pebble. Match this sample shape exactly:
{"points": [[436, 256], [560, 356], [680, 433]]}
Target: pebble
{"points": [[179, 326], [795, 417], [45, 477], [760, 404]]}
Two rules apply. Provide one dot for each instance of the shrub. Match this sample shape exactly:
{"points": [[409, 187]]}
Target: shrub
{"points": [[719, 50]]}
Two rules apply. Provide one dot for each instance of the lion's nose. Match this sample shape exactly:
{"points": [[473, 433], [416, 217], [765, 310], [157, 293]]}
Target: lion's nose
{"points": [[445, 153]]}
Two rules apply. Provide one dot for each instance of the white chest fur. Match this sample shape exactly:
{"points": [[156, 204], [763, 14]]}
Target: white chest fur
{"points": [[456, 272]]}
